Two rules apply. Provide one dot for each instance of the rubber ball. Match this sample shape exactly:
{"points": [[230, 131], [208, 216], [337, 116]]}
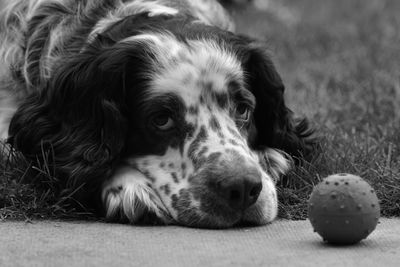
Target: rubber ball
{"points": [[343, 209]]}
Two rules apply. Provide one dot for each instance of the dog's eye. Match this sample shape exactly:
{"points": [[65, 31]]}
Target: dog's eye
{"points": [[243, 112], [163, 122]]}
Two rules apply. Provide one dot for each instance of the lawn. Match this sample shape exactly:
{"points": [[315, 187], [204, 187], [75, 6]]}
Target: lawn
{"points": [[339, 61], [340, 64]]}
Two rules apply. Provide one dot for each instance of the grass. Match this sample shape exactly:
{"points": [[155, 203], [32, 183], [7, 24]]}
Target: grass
{"points": [[31, 192], [339, 61]]}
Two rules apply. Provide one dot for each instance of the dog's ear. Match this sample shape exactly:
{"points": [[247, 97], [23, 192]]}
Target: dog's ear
{"points": [[79, 115], [274, 123]]}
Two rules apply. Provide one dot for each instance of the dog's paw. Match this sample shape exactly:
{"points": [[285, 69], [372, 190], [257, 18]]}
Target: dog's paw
{"points": [[127, 195]]}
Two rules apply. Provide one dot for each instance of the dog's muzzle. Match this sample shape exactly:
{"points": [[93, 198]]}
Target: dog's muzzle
{"points": [[239, 187]]}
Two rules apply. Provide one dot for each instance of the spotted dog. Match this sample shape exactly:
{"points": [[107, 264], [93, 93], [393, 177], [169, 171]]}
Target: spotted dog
{"points": [[148, 108]]}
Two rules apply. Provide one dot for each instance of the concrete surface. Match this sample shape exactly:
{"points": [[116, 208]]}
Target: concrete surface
{"points": [[283, 243]]}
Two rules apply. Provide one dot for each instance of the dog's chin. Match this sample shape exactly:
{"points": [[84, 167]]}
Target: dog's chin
{"points": [[264, 211], [255, 215], [209, 222]]}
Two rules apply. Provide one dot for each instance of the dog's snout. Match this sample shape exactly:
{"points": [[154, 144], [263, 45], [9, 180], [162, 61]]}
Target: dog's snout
{"points": [[240, 191]]}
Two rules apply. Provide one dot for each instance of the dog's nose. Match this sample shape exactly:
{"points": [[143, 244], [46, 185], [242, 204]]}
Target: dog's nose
{"points": [[240, 192]]}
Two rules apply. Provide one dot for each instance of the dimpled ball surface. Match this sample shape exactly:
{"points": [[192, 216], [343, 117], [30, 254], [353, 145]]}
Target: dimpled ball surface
{"points": [[343, 209]]}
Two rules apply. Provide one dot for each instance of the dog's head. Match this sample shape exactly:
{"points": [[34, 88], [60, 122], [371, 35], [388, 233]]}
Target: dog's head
{"points": [[197, 110]]}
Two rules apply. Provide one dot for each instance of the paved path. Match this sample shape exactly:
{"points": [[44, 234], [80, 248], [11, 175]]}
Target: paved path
{"points": [[283, 243]]}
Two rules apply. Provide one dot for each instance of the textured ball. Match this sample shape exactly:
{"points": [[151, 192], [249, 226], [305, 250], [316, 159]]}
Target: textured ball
{"points": [[343, 209]]}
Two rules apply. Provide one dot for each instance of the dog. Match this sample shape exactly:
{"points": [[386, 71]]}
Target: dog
{"points": [[149, 108]]}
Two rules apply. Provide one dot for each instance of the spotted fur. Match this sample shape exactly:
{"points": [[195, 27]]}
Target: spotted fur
{"points": [[150, 108]]}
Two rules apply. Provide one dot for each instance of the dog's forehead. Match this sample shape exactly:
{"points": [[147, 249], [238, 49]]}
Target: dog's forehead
{"points": [[191, 68]]}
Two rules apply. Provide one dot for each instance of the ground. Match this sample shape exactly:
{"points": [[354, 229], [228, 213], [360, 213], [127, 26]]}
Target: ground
{"points": [[283, 243], [339, 62]]}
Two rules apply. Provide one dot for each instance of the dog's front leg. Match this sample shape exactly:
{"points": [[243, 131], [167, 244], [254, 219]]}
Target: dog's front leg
{"points": [[128, 195]]}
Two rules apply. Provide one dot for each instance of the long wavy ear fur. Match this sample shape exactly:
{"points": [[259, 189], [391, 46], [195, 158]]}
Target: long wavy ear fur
{"points": [[79, 117], [275, 124]]}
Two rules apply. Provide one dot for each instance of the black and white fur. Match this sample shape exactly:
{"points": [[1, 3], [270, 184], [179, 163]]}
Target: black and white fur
{"points": [[152, 108]]}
